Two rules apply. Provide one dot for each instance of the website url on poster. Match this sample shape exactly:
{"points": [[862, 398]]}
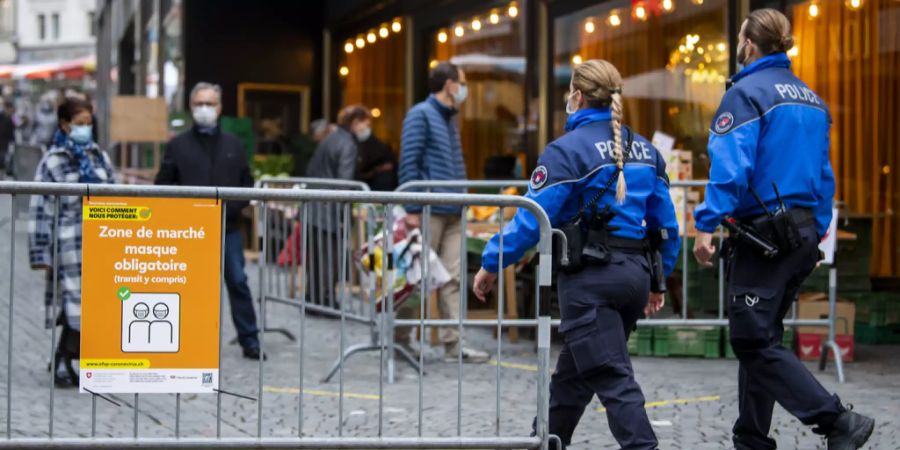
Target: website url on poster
{"points": [[115, 364]]}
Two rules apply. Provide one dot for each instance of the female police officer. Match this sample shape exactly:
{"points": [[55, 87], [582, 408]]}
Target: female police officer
{"points": [[601, 303], [770, 169]]}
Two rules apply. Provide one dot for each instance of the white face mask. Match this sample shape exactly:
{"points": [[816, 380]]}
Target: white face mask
{"points": [[364, 134], [461, 94], [205, 115]]}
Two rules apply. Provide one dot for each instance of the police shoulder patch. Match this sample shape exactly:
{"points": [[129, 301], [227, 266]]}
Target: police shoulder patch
{"points": [[724, 122], [539, 177]]}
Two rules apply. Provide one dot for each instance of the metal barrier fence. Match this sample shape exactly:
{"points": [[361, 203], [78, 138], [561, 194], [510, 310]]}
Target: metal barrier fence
{"points": [[302, 198], [285, 258], [720, 320]]}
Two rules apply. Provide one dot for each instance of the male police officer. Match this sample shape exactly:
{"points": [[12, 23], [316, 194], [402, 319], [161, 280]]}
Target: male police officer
{"points": [[770, 170]]}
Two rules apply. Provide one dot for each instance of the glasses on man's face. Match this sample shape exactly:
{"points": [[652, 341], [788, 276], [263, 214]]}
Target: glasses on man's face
{"points": [[201, 103]]}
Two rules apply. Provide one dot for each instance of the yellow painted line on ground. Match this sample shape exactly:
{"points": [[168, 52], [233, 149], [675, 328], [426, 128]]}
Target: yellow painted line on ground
{"points": [[676, 401], [509, 365], [319, 393]]}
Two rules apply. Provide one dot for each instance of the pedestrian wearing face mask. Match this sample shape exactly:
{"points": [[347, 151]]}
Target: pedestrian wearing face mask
{"points": [[207, 156], [769, 116], [335, 157], [609, 183], [430, 149], [73, 157]]}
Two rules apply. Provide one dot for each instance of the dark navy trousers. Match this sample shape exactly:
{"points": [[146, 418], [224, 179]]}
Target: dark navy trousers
{"points": [[241, 300], [760, 293], [600, 306]]}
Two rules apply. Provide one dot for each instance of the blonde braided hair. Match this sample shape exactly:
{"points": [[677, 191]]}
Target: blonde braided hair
{"points": [[601, 86]]}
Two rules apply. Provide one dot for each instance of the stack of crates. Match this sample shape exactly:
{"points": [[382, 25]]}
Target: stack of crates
{"points": [[641, 342], [878, 318], [705, 342]]}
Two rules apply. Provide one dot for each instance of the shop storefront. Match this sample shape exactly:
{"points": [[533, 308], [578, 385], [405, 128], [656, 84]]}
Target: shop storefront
{"points": [[675, 56]]}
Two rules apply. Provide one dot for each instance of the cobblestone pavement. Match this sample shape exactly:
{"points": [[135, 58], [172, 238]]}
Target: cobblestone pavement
{"points": [[691, 401]]}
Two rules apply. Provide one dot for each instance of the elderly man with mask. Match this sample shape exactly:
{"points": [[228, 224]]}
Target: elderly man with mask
{"points": [[207, 156]]}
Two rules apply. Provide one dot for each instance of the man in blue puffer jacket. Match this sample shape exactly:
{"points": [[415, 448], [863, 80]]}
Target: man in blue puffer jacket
{"points": [[430, 150]]}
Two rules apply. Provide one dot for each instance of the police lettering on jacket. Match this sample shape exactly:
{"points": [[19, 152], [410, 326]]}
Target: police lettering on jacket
{"points": [[573, 169], [770, 128]]}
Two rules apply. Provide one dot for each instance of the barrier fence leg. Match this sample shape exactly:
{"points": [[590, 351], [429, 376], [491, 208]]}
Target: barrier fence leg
{"points": [[53, 310], [222, 289], [543, 380], [831, 344], [9, 317]]}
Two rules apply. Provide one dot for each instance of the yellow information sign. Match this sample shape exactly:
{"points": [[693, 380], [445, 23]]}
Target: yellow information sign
{"points": [[150, 289]]}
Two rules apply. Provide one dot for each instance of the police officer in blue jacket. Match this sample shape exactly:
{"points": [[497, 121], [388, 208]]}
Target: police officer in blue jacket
{"points": [[771, 171], [601, 303]]}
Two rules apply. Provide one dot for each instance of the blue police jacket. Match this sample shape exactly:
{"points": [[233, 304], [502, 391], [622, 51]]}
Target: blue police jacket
{"points": [[573, 169], [770, 127]]}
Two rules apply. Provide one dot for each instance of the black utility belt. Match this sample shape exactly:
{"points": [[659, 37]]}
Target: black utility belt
{"points": [[774, 234], [625, 245], [801, 216]]}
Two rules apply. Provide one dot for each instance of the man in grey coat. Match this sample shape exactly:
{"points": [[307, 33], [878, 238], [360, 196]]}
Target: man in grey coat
{"points": [[335, 158]]}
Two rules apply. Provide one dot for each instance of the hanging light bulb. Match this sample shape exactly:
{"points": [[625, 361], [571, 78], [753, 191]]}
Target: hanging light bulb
{"points": [[432, 64], [348, 47], [793, 52], [371, 37], [589, 26], [360, 42], [614, 19], [640, 12], [576, 59], [494, 18], [854, 4], [697, 2], [396, 26], [376, 112], [344, 71], [513, 10], [442, 36], [476, 24], [459, 31], [383, 31], [721, 46], [813, 10], [668, 5]]}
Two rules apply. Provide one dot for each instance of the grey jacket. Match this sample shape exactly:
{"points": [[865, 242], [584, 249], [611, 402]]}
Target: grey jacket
{"points": [[335, 158]]}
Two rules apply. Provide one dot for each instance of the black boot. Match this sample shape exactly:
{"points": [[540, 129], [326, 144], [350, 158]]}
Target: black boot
{"points": [[850, 431]]}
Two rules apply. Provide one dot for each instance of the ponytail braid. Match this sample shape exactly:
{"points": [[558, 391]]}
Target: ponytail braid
{"points": [[616, 123]]}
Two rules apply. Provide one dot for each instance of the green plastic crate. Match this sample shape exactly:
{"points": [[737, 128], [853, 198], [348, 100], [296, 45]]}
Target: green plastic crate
{"points": [[787, 341], [640, 342], [877, 309], [704, 342], [869, 334]]}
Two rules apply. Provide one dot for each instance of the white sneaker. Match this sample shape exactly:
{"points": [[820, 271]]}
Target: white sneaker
{"points": [[469, 355]]}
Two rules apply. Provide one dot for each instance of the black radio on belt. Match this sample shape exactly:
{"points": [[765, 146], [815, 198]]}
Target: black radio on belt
{"points": [[778, 227]]}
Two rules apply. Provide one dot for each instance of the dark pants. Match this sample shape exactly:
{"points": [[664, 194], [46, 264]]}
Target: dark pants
{"points": [[600, 306], [241, 300], [324, 257], [760, 294]]}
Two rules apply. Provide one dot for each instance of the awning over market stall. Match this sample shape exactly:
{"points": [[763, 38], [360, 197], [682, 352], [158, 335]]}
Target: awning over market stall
{"points": [[68, 69]]}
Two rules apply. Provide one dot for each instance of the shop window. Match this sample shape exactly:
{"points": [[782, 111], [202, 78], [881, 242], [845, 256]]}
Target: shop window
{"points": [[55, 22], [495, 127], [372, 74], [42, 26], [672, 55], [848, 51]]}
